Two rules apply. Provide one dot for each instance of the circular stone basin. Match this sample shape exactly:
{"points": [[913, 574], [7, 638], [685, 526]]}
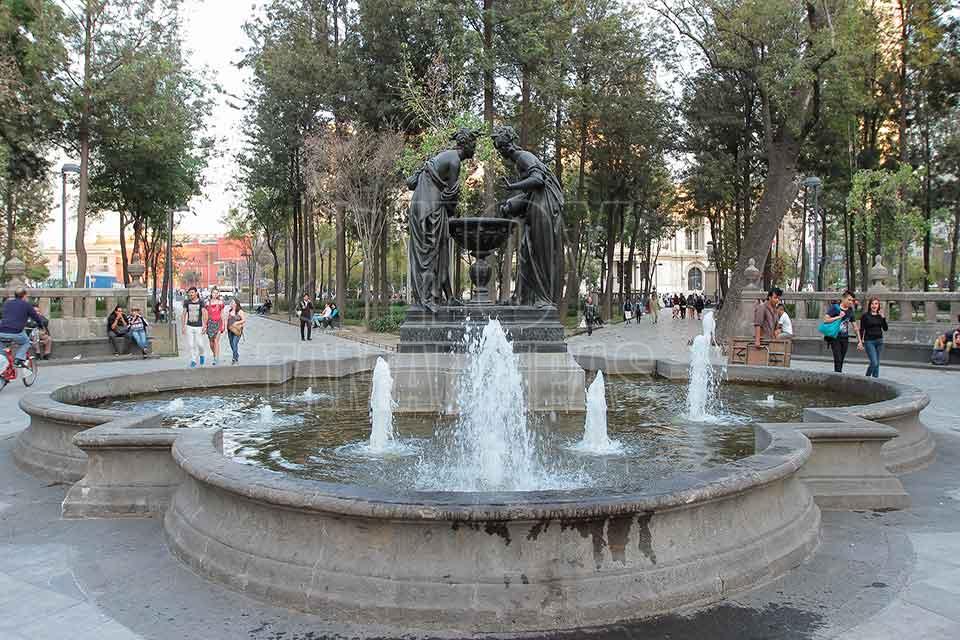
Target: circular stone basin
{"points": [[319, 429], [480, 235]]}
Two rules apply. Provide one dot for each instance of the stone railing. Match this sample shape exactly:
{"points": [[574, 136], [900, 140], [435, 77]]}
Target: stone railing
{"points": [[78, 307], [913, 316]]}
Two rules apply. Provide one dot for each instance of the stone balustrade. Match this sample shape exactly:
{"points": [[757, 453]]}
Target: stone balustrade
{"points": [[78, 317], [913, 316]]}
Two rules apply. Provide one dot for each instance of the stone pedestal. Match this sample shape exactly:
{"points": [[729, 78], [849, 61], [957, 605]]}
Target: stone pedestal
{"points": [[531, 330]]}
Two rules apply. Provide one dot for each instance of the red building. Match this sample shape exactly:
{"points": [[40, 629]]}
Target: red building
{"points": [[205, 262]]}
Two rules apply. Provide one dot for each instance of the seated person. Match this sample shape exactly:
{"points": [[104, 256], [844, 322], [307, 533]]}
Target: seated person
{"points": [[784, 328], [334, 315], [40, 335], [948, 341], [318, 318]]}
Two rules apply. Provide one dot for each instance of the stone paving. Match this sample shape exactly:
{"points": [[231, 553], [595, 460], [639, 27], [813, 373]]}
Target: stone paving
{"points": [[875, 576]]}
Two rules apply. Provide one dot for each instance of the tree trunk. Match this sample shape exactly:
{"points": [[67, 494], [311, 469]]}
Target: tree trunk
{"points": [[904, 9], [955, 240], [927, 200], [779, 192], [524, 107], [123, 250], [312, 226], [608, 282], [341, 284], [489, 197], [821, 285], [84, 138], [573, 275], [11, 222]]}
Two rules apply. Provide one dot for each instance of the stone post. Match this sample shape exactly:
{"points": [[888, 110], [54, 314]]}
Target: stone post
{"points": [[748, 299], [15, 270], [137, 294], [878, 284]]}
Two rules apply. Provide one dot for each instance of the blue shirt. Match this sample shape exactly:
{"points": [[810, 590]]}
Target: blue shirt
{"points": [[16, 312], [836, 310]]}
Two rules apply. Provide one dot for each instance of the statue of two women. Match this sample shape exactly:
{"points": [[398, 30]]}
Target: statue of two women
{"points": [[436, 190], [540, 204]]}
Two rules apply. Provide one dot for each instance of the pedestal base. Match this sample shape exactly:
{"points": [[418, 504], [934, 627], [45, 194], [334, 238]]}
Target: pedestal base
{"points": [[528, 328], [427, 382]]}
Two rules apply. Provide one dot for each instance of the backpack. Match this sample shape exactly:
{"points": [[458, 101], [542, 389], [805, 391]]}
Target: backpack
{"points": [[939, 357]]}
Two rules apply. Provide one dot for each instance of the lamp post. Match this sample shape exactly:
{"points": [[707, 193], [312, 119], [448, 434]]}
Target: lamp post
{"points": [[168, 269], [69, 167]]}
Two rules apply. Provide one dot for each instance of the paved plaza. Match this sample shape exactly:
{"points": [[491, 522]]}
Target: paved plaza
{"points": [[875, 575]]}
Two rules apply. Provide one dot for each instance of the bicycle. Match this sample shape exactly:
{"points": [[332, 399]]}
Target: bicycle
{"points": [[9, 374]]}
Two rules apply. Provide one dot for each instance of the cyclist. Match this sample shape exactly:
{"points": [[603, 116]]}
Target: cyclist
{"points": [[16, 312]]}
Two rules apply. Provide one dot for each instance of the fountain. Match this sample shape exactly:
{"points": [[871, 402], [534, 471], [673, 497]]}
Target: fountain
{"points": [[381, 408], [595, 439], [702, 400], [266, 414]]}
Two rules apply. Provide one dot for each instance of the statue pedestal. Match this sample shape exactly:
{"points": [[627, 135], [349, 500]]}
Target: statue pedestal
{"points": [[531, 330]]}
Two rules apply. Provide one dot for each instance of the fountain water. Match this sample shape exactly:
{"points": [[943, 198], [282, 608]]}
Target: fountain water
{"points": [[491, 446], [595, 439], [702, 386], [381, 407], [266, 413], [174, 406]]}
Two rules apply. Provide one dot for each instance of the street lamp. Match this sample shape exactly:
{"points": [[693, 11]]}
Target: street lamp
{"points": [[169, 266], [69, 167]]}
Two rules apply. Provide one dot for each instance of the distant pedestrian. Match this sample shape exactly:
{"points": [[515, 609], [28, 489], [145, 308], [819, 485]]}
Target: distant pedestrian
{"points": [[236, 319], [195, 325], [627, 311], [870, 335], [305, 312], [682, 303], [843, 312], [655, 306], [215, 325], [590, 314], [698, 304]]}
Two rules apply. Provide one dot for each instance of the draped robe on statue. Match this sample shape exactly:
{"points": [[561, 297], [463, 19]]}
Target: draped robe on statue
{"points": [[540, 268], [429, 245]]}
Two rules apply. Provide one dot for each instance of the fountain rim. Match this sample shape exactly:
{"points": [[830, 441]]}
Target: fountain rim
{"points": [[196, 452]]}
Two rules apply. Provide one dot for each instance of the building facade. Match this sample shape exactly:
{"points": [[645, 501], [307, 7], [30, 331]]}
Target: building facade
{"points": [[682, 263]]}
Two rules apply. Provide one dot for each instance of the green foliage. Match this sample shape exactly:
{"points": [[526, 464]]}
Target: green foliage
{"points": [[389, 320], [883, 206]]}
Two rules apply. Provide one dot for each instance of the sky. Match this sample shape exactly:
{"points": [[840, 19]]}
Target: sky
{"points": [[212, 31]]}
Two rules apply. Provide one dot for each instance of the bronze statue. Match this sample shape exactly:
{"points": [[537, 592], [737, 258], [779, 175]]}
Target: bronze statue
{"points": [[540, 204], [436, 190]]}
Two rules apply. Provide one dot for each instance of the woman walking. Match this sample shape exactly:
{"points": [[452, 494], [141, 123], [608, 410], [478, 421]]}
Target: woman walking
{"points": [[842, 312], [870, 334], [236, 319], [215, 326]]}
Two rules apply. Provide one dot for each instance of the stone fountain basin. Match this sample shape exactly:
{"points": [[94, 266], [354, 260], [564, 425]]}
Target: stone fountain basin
{"points": [[479, 235], [478, 562]]}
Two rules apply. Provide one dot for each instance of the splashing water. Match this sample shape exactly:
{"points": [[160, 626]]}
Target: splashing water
{"points": [[702, 386], [266, 413], [310, 396], [381, 407], [174, 406], [595, 439], [491, 447]]}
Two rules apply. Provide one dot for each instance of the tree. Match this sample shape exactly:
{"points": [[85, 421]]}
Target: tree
{"points": [[359, 172], [105, 37], [783, 49]]}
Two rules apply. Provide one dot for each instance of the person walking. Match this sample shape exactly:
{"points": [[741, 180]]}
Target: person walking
{"points": [[305, 311], [655, 306], [194, 325], [590, 314], [698, 305], [117, 329], [870, 335], [215, 324], [236, 319], [844, 312], [682, 303], [627, 311], [138, 330]]}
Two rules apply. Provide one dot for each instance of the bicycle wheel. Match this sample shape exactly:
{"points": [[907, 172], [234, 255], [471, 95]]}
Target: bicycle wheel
{"points": [[29, 375]]}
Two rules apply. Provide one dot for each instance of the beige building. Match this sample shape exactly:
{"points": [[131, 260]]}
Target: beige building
{"points": [[103, 260], [682, 264]]}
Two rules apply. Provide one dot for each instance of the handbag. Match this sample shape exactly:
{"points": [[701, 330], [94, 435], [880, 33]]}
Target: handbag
{"points": [[235, 330], [830, 329]]}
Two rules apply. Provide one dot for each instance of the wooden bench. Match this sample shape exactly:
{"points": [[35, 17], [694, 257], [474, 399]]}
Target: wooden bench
{"points": [[770, 353]]}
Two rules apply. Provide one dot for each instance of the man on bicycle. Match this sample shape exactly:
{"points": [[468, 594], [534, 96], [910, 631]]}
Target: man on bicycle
{"points": [[16, 312]]}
